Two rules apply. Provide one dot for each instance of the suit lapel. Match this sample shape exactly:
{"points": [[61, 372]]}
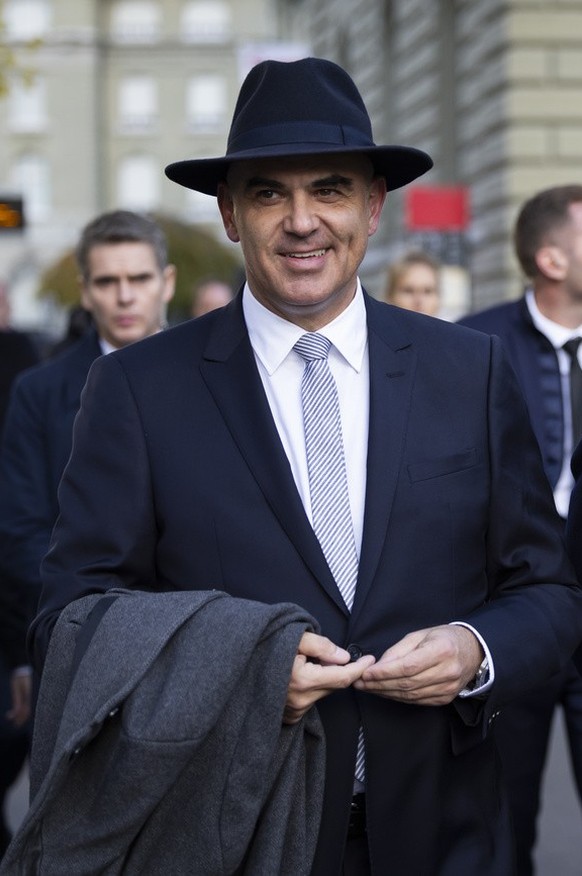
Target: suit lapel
{"points": [[229, 370], [392, 369]]}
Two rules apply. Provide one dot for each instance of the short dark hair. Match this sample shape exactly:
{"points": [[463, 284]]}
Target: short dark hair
{"points": [[121, 226], [538, 218]]}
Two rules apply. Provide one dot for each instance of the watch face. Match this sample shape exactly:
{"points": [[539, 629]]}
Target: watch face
{"points": [[482, 673]]}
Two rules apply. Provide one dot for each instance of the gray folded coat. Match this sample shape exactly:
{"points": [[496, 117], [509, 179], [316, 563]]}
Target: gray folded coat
{"points": [[163, 751]]}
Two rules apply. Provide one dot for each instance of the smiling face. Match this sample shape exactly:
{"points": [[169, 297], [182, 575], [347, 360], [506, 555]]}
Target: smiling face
{"points": [[303, 225], [126, 291]]}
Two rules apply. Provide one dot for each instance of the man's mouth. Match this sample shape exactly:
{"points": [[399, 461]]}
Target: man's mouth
{"points": [[313, 254]]}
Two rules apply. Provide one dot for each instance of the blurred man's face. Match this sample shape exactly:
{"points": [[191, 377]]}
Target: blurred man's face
{"points": [[126, 292], [417, 289], [211, 295]]}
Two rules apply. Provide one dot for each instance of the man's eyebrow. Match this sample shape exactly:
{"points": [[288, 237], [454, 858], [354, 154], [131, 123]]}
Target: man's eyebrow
{"points": [[263, 182], [334, 179], [113, 278]]}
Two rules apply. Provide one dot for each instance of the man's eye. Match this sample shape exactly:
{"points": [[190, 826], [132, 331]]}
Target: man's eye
{"points": [[266, 194]]}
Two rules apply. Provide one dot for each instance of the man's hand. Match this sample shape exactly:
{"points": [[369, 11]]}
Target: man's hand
{"points": [[319, 668], [428, 667], [21, 690]]}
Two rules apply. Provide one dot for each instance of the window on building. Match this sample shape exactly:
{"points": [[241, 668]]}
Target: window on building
{"points": [[138, 183], [137, 104], [206, 21], [27, 19], [136, 21], [30, 176], [27, 105], [206, 102]]}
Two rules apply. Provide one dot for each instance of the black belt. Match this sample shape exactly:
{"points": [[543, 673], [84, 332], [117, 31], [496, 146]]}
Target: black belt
{"points": [[357, 824]]}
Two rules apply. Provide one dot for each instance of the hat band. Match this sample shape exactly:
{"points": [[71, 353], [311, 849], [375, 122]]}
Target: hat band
{"points": [[299, 132]]}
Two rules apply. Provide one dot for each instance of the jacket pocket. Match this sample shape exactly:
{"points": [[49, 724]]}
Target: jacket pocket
{"points": [[443, 465]]}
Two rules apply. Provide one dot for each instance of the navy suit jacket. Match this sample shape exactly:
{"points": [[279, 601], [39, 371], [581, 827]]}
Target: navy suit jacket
{"points": [[574, 522], [178, 480], [16, 354], [36, 446], [535, 362]]}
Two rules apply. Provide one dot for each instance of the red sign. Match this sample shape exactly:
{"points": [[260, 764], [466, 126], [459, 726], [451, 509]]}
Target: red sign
{"points": [[437, 208]]}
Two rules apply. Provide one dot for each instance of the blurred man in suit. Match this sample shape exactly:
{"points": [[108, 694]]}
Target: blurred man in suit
{"points": [[126, 283], [16, 354], [541, 333]]}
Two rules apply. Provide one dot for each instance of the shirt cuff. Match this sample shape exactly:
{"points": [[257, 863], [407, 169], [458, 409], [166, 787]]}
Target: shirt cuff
{"points": [[489, 676]]}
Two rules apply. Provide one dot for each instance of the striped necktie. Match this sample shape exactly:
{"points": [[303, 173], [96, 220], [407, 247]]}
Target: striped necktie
{"points": [[328, 483]]}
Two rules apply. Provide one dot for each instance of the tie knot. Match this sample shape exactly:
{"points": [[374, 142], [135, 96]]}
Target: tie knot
{"points": [[312, 346], [571, 347]]}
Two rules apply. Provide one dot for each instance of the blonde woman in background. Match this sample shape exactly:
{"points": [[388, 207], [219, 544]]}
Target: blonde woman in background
{"points": [[414, 283]]}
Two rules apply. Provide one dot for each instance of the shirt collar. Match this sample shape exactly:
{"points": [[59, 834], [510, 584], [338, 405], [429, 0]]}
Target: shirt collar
{"points": [[272, 337], [106, 347], [556, 334]]}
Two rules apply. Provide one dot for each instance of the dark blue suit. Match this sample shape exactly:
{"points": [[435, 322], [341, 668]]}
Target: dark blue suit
{"points": [[522, 732], [536, 365], [37, 444], [16, 354], [574, 525], [178, 479]]}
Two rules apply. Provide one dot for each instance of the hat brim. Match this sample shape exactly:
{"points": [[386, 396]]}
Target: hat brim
{"points": [[399, 165]]}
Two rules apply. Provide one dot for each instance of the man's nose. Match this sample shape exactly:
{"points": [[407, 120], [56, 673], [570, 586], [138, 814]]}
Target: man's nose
{"points": [[124, 292], [301, 218]]}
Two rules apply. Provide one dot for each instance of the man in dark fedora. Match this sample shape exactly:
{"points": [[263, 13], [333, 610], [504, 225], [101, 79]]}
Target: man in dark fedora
{"points": [[308, 444]]}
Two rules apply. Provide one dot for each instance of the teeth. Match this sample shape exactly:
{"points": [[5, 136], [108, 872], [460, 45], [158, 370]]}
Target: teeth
{"points": [[306, 255]]}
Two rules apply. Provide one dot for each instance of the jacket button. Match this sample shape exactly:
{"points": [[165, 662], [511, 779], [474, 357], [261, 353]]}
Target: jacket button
{"points": [[355, 652]]}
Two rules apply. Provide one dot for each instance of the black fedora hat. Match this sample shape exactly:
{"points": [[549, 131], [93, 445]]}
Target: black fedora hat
{"points": [[306, 107]]}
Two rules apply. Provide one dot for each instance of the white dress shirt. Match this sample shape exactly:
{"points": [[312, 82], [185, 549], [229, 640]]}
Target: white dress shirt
{"points": [[281, 370], [557, 335]]}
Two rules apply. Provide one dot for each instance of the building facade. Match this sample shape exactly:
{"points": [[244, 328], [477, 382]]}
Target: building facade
{"points": [[490, 88]]}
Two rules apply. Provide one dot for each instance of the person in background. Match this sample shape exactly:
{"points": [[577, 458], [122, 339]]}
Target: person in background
{"points": [[78, 322], [541, 333], [126, 284], [208, 295], [17, 353], [339, 428], [574, 522], [414, 283]]}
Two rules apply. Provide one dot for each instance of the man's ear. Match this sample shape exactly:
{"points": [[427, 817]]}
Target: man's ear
{"points": [[85, 298], [226, 207], [552, 262], [377, 197], [169, 280]]}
